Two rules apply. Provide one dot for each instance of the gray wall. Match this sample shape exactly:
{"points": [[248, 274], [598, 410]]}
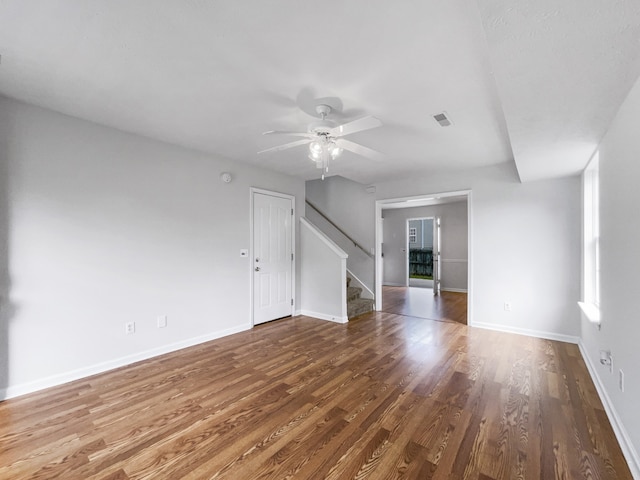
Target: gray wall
{"points": [[99, 228], [620, 267], [454, 236]]}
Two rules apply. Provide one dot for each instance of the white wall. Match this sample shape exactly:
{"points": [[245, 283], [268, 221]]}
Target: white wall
{"points": [[454, 236], [525, 246], [323, 282], [525, 241], [99, 228], [348, 205], [620, 272]]}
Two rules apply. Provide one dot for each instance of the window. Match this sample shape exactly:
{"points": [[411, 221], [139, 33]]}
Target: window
{"points": [[413, 236], [591, 241]]}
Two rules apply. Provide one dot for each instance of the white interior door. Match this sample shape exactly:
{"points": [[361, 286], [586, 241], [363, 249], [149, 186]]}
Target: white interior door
{"points": [[437, 271], [272, 257]]}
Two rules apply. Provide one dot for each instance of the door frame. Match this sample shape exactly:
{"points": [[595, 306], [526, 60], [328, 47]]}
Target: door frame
{"points": [[437, 258], [413, 201], [252, 192], [408, 278]]}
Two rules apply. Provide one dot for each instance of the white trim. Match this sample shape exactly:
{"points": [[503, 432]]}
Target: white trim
{"points": [[377, 261], [325, 239], [591, 312], [630, 453], [61, 378], [393, 284], [361, 283], [530, 333], [590, 234], [469, 257], [343, 294], [252, 192], [323, 316], [417, 198]]}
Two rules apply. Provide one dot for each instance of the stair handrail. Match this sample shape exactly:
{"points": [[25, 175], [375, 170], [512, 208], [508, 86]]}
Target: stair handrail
{"points": [[351, 239]]}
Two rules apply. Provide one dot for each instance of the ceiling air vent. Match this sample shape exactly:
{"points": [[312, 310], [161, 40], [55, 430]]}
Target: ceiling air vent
{"points": [[442, 119]]}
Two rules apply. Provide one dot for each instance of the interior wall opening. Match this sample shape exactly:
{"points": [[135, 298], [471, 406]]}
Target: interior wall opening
{"points": [[404, 268], [420, 252]]}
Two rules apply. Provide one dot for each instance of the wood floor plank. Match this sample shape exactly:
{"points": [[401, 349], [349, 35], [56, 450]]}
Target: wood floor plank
{"points": [[385, 396]]}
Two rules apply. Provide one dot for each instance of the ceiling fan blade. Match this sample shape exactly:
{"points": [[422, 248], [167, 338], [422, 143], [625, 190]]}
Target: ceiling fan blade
{"points": [[286, 146], [364, 123], [360, 149], [294, 134]]}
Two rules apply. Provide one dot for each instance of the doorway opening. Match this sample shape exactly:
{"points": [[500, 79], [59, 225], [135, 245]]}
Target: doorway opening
{"points": [[420, 252], [424, 242]]}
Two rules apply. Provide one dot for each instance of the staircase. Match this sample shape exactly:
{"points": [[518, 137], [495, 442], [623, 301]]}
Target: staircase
{"points": [[356, 305]]}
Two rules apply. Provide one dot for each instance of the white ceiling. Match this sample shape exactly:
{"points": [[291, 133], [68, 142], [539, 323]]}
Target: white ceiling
{"points": [[539, 79]]}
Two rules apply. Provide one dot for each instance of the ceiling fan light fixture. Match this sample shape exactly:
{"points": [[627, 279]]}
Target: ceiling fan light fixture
{"points": [[315, 151], [315, 147], [334, 151], [324, 138]]}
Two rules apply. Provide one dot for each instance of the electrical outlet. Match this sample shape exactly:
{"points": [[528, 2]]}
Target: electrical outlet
{"points": [[507, 306], [130, 327], [621, 380], [162, 321]]}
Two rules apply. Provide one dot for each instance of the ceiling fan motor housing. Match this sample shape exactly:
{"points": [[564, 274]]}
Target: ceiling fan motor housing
{"points": [[323, 110], [322, 126]]}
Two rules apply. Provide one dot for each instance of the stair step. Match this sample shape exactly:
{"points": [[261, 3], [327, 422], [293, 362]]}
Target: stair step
{"points": [[359, 306], [348, 281], [353, 293]]}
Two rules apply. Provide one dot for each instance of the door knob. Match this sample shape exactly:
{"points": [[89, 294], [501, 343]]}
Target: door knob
{"points": [[257, 269]]}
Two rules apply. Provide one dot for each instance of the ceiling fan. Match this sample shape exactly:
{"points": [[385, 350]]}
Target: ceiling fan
{"points": [[325, 140]]}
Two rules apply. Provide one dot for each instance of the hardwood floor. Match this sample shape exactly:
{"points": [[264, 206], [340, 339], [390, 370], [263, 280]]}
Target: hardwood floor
{"points": [[384, 396], [420, 302]]}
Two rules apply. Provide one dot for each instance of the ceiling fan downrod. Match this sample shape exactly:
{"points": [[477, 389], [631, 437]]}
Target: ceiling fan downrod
{"points": [[323, 110]]}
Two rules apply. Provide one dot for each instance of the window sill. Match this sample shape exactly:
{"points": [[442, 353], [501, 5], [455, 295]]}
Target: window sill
{"points": [[591, 311]]}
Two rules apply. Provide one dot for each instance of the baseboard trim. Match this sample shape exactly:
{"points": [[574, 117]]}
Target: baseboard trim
{"points": [[628, 450], [324, 316], [459, 290], [59, 379], [530, 333]]}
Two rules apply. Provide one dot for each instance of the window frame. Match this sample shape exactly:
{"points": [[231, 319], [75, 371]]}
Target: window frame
{"points": [[413, 233], [590, 303]]}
